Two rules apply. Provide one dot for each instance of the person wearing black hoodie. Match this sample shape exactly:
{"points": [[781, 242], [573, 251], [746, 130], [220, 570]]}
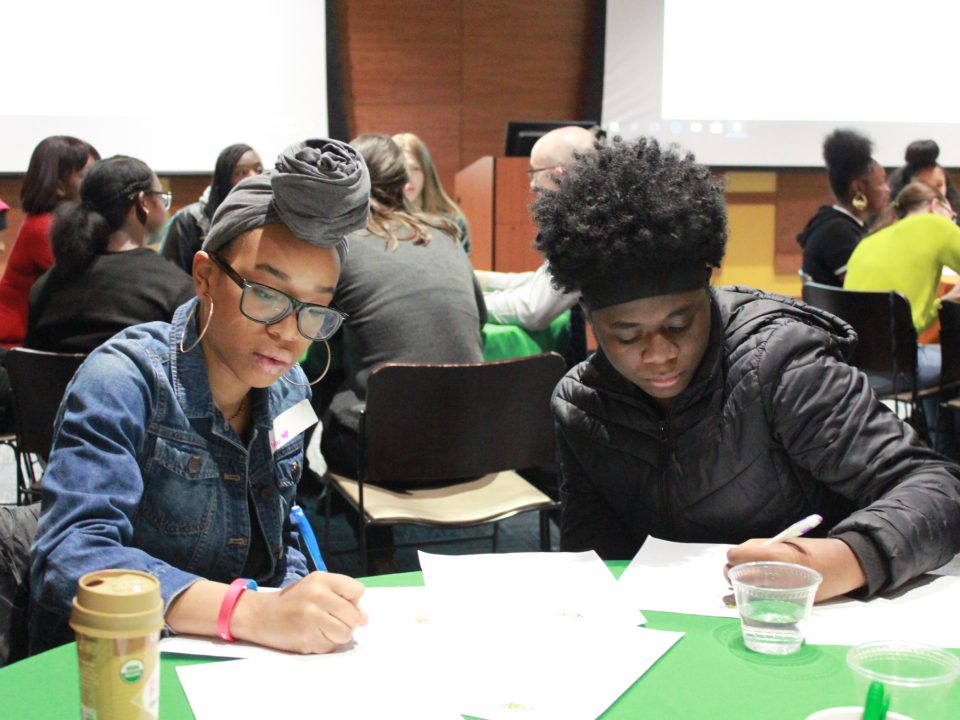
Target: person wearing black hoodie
{"points": [[858, 183]]}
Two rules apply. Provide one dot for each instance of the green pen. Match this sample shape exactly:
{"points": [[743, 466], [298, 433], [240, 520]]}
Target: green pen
{"points": [[877, 702]]}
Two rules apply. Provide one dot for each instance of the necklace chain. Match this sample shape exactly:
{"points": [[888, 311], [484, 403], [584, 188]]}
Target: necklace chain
{"points": [[233, 417]]}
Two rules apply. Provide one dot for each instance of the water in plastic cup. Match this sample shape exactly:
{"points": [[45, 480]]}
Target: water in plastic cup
{"points": [[774, 599], [917, 677]]}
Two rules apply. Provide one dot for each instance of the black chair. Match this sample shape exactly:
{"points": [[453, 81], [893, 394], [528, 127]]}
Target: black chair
{"points": [[887, 340], [440, 443], [949, 363], [38, 380]]}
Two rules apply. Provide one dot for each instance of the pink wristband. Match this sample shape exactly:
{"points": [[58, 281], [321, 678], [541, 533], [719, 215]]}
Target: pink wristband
{"points": [[229, 603]]}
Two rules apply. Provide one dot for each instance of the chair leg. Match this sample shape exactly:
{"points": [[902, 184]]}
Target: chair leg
{"points": [[364, 551], [326, 516], [544, 531]]}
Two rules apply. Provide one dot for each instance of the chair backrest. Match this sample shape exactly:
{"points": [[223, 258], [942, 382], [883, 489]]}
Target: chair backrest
{"points": [[427, 422], [38, 380], [949, 342], [882, 321]]}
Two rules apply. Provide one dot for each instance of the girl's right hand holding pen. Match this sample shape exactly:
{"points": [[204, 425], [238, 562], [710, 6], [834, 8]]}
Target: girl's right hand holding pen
{"points": [[314, 615]]}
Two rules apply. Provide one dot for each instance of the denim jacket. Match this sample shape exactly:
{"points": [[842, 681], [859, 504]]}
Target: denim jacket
{"points": [[146, 473]]}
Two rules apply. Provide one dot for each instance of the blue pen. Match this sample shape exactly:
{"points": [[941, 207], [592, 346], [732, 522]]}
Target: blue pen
{"points": [[300, 520]]}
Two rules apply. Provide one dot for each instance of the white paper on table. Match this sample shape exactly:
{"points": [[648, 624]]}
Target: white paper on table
{"points": [[393, 612], [679, 577], [558, 669], [344, 685], [521, 585], [923, 611]]}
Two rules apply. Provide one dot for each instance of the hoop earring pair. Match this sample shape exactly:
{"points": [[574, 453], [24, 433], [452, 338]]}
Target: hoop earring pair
{"points": [[202, 332], [859, 202], [322, 375]]}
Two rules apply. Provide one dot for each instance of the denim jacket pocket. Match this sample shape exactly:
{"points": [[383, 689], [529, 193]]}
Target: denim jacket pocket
{"points": [[180, 494]]}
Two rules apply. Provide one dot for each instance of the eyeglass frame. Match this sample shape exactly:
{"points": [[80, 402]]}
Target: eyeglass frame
{"points": [[533, 171], [295, 305], [166, 197]]}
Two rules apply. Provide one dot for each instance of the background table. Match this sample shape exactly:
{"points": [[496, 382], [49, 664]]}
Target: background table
{"points": [[707, 675]]}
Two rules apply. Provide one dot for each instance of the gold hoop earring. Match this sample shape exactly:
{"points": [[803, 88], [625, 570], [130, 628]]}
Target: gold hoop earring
{"points": [[859, 202], [322, 375], [202, 333]]}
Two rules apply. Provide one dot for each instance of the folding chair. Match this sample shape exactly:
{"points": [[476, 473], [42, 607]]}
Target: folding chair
{"points": [[38, 380], [887, 340], [440, 444]]}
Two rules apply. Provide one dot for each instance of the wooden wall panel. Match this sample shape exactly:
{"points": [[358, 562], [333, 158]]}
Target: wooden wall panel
{"points": [[455, 72], [799, 194]]}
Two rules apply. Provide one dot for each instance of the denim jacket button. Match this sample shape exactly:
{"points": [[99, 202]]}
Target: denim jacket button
{"points": [[295, 470], [193, 466]]}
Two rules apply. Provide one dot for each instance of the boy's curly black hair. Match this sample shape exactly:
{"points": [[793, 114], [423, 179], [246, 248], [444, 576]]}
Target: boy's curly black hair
{"points": [[848, 155], [631, 204]]}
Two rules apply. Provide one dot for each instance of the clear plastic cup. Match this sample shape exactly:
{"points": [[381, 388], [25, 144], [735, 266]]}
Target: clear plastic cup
{"points": [[849, 713], [918, 678], [774, 599]]}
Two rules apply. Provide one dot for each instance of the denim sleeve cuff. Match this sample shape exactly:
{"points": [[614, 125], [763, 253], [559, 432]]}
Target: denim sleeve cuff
{"points": [[873, 563]]}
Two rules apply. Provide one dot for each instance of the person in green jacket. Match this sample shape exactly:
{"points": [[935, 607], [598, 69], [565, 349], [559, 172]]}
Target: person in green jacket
{"points": [[916, 240]]}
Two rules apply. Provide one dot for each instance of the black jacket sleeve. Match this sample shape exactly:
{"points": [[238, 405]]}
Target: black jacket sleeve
{"points": [[832, 426], [587, 520], [182, 240]]}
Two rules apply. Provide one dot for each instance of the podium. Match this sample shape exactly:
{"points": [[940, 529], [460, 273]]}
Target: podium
{"points": [[494, 193]]}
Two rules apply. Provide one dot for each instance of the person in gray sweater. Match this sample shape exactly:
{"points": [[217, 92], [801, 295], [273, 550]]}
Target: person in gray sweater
{"points": [[409, 294]]}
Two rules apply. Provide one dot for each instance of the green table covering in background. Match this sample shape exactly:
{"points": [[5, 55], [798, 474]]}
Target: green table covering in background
{"points": [[708, 675], [500, 342]]}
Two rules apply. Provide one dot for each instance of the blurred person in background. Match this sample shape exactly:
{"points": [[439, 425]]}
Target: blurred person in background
{"points": [[103, 279], [56, 169], [185, 232], [424, 191], [858, 183]]}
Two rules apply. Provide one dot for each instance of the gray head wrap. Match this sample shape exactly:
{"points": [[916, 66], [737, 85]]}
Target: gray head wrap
{"points": [[320, 189]]}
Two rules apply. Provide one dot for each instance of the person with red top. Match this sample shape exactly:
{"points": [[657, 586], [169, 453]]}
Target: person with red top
{"points": [[56, 168]]}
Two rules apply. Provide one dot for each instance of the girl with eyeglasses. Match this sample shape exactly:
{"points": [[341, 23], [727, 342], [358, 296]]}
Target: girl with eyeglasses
{"points": [[104, 279], [180, 445]]}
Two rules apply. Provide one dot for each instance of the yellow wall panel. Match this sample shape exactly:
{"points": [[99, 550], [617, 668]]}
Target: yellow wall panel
{"points": [[750, 182], [749, 256]]}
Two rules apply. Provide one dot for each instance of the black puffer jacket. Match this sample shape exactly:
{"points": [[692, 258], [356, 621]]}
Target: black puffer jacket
{"points": [[774, 426]]}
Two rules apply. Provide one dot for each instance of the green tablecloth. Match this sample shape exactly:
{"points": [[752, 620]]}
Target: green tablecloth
{"points": [[707, 675], [501, 342]]}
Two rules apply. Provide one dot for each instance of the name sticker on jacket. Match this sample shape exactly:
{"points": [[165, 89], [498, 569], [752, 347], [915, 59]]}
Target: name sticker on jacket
{"points": [[290, 423]]}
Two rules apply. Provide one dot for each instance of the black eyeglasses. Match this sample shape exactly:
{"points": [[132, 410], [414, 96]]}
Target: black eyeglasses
{"points": [[166, 197], [266, 305], [533, 171]]}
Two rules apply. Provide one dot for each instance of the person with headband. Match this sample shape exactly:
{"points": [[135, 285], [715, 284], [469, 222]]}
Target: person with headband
{"points": [[178, 446], [721, 415]]}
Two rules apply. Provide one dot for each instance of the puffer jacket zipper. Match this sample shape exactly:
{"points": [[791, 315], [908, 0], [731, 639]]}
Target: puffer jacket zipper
{"points": [[665, 512]]}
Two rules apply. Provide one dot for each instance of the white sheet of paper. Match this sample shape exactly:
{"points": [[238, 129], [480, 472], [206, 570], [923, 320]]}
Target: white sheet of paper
{"points": [[561, 668], [924, 611], [678, 577], [688, 578], [521, 585], [343, 685]]}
